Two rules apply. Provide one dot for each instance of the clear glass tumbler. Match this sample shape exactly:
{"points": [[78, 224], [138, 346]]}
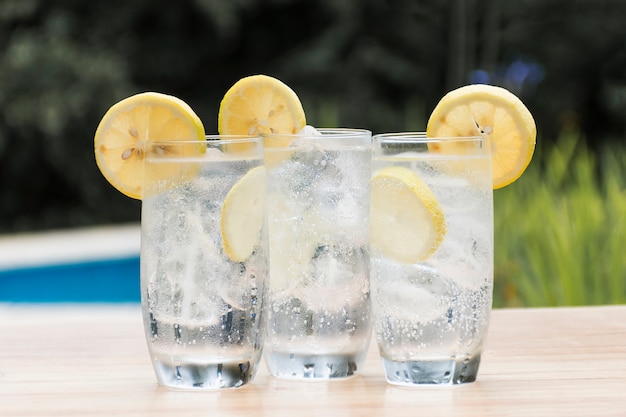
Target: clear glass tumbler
{"points": [[432, 255], [204, 261], [319, 315]]}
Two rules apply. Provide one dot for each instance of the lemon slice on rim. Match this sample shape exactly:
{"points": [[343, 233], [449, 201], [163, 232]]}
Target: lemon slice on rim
{"points": [[243, 215], [260, 104], [495, 112], [407, 222], [123, 138]]}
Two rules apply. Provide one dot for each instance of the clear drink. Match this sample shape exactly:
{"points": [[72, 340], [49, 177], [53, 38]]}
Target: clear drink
{"points": [[319, 315], [203, 310], [431, 315]]}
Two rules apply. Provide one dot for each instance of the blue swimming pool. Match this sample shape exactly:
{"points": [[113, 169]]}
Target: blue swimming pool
{"points": [[106, 281], [91, 265]]}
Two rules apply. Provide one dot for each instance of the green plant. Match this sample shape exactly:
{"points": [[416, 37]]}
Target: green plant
{"points": [[560, 231]]}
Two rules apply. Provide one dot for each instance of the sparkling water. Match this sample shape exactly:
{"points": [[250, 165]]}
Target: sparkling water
{"points": [[319, 315], [203, 314], [431, 317]]}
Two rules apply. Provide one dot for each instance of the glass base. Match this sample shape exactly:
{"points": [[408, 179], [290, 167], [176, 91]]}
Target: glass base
{"points": [[433, 372], [204, 376], [308, 366]]}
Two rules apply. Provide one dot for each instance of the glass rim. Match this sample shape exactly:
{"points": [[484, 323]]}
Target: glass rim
{"points": [[421, 137], [215, 139], [326, 132]]}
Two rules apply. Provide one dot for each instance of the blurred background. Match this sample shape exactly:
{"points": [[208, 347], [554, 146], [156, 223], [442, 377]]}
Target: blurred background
{"points": [[377, 64]]}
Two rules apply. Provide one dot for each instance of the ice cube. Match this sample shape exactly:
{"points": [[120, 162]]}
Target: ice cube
{"points": [[412, 293], [214, 153], [334, 274], [466, 257], [309, 130], [306, 137]]}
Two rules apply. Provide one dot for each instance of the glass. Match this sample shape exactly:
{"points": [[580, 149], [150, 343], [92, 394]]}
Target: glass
{"points": [[203, 310], [318, 206], [431, 315]]}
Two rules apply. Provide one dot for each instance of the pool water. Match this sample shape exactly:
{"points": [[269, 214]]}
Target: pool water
{"points": [[98, 265], [114, 280]]}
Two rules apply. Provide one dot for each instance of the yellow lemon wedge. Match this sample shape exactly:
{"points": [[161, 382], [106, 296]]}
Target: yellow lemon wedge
{"points": [[260, 105], [243, 215], [491, 111], [124, 136], [407, 222]]}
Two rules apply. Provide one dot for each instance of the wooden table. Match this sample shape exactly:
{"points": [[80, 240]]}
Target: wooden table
{"points": [[91, 360]]}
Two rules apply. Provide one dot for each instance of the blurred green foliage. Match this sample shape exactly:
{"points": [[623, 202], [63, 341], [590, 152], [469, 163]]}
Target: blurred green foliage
{"points": [[560, 231]]}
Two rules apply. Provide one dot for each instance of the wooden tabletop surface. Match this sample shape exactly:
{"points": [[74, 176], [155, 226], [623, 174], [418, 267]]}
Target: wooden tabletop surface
{"points": [[92, 360]]}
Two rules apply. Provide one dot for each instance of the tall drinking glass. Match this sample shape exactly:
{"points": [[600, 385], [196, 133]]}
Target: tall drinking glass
{"points": [[319, 315], [204, 261], [432, 256]]}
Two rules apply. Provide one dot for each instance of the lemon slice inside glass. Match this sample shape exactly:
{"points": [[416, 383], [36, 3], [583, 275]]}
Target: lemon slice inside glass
{"points": [[493, 112], [243, 214], [407, 222], [124, 136], [261, 105]]}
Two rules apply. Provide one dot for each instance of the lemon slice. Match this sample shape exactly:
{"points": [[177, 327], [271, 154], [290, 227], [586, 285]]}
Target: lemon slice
{"points": [[260, 105], [123, 137], [294, 238], [243, 215], [407, 222], [492, 111]]}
